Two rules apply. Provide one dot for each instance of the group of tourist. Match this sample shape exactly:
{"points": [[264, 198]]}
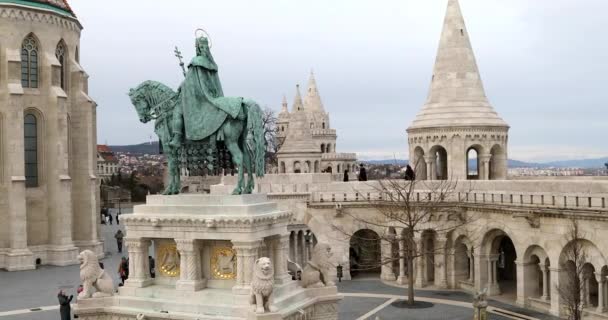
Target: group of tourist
{"points": [[362, 176], [106, 216]]}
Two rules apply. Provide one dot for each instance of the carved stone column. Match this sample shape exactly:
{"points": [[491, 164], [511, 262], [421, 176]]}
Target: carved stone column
{"points": [[484, 170], [441, 276], [430, 168], [554, 287], [190, 278], [420, 272], [280, 252], [471, 266], [601, 283], [545, 270], [401, 279], [138, 258], [493, 287], [246, 254], [386, 251]]}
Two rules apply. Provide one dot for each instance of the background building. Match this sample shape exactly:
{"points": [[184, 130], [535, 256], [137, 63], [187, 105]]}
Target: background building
{"points": [[48, 186], [308, 141], [107, 163]]}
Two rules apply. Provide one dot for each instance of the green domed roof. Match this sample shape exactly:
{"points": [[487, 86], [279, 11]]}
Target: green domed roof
{"points": [[59, 6]]}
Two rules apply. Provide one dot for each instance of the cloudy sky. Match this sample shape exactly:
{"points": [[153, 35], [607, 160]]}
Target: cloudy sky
{"points": [[543, 63]]}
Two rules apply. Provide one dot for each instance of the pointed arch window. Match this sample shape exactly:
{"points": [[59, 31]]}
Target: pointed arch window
{"points": [[60, 53], [29, 62], [30, 128]]}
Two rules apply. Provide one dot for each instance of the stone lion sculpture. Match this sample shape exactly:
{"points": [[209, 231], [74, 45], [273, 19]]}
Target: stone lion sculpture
{"points": [[93, 276], [316, 273], [262, 285]]}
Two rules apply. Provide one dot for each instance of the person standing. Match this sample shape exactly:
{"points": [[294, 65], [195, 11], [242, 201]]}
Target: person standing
{"points": [[346, 175], [64, 305], [123, 270], [119, 236], [362, 173], [409, 173], [151, 265], [117, 219], [110, 218]]}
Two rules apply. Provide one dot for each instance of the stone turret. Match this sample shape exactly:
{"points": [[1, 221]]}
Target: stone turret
{"points": [[309, 144], [457, 134]]}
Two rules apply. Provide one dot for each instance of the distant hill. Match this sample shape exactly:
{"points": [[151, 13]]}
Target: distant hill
{"points": [[583, 163], [142, 148]]}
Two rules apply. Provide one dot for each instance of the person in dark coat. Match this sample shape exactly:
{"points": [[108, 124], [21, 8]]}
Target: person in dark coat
{"points": [[345, 175], [123, 269], [64, 305], [119, 236], [110, 218], [151, 265], [409, 173], [362, 173]]}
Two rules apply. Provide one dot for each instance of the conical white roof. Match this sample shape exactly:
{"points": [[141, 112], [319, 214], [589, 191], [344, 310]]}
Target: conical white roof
{"points": [[297, 101], [312, 101], [456, 96]]}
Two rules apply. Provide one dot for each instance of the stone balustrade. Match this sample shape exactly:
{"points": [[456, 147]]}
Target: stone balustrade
{"points": [[323, 132], [339, 156]]}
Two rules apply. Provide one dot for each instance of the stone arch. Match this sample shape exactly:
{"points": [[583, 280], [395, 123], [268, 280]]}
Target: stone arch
{"points": [[328, 148], [498, 163], [463, 267], [338, 167], [322, 147], [307, 166], [592, 254], [438, 157], [282, 167], [317, 166], [297, 167], [473, 165], [497, 265], [364, 252], [536, 275]]}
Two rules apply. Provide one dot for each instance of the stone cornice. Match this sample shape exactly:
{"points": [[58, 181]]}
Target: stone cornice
{"points": [[431, 130], [206, 222], [17, 12]]}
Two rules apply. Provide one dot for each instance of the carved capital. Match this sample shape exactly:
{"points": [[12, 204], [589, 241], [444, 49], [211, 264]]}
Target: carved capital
{"points": [[185, 245]]}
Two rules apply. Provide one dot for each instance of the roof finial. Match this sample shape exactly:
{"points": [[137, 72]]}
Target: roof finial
{"points": [[297, 102]]}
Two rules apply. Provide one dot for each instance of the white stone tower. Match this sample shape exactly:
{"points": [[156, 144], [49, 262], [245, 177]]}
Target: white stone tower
{"points": [[308, 141], [457, 127]]}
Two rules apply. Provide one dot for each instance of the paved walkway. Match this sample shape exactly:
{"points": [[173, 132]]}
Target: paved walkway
{"points": [[448, 304]]}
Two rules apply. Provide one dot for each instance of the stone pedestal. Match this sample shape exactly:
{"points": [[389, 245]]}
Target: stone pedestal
{"points": [[206, 248]]}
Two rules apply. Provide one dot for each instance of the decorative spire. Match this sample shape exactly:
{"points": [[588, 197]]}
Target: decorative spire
{"points": [[456, 96], [297, 101], [284, 105], [312, 101]]}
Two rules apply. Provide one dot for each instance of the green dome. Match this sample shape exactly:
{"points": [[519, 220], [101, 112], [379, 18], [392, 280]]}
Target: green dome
{"points": [[59, 6]]}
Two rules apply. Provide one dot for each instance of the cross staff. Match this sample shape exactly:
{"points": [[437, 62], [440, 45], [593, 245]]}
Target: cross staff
{"points": [[179, 56]]}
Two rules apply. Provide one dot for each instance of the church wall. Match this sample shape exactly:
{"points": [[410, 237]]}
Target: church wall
{"points": [[42, 216]]}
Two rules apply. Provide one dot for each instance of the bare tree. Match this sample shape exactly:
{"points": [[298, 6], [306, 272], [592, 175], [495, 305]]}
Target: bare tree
{"points": [[571, 287], [269, 121], [414, 206]]}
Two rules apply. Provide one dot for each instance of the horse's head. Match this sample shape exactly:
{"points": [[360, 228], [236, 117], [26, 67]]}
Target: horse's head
{"points": [[140, 102]]}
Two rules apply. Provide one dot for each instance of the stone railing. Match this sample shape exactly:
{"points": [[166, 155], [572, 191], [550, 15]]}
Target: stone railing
{"points": [[527, 199], [338, 156], [323, 132]]}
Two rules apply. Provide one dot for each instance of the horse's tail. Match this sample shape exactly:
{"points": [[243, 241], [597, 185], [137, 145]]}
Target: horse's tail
{"points": [[255, 141]]}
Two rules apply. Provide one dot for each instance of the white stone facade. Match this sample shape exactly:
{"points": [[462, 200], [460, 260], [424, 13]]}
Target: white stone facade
{"points": [[308, 141], [48, 202]]}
